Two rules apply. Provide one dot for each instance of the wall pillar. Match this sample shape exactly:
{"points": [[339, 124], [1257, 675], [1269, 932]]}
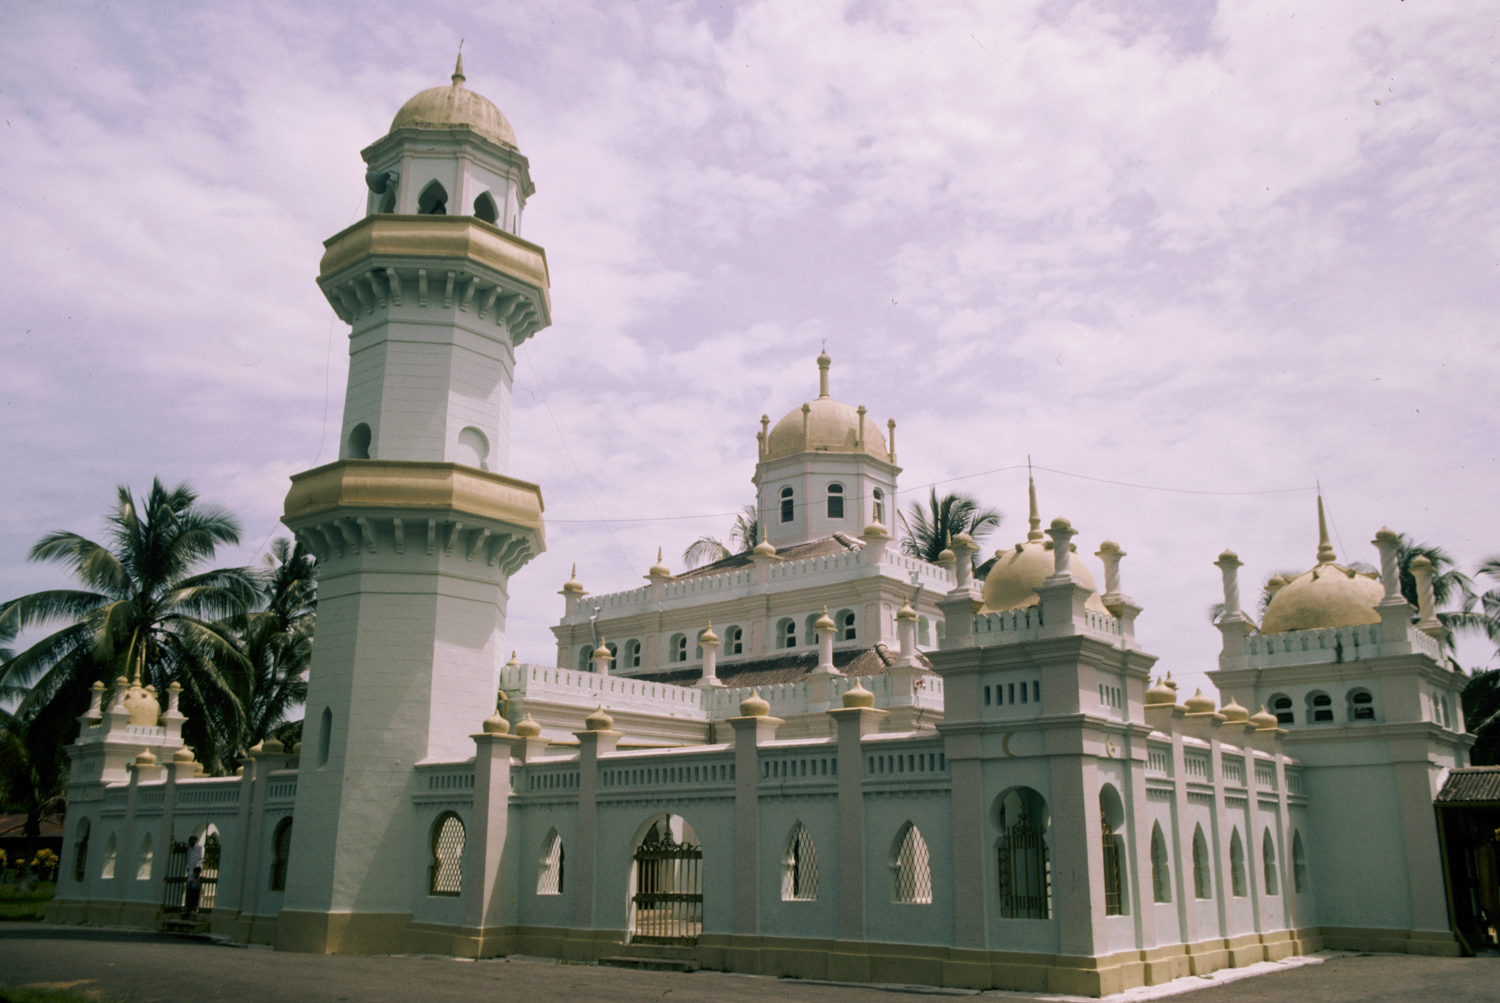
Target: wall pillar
{"points": [[490, 823], [856, 719], [598, 740], [754, 727]]}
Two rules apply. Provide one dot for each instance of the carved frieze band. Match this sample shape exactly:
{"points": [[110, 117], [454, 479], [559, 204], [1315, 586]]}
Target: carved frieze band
{"points": [[511, 307], [342, 536]]}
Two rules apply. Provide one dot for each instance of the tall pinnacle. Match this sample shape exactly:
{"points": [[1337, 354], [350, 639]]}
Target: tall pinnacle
{"points": [[458, 68], [823, 363], [1325, 549], [1035, 535]]}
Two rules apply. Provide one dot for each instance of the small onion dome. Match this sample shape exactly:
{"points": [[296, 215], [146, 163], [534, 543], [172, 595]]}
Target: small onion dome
{"points": [[142, 704], [145, 758], [659, 569], [255, 749], [906, 612], [1264, 720], [947, 556], [528, 728], [965, 540], [708, 636], [1199, 704], [271, 747], [858, 696], [602, 652], [573, 586], [496, 725], [1170, 683], [599, 721], [512, 660], [1161, 694], [183, 755], [754, 706], [764, 549], [824, 622], [1233, 712], [876, 531]]}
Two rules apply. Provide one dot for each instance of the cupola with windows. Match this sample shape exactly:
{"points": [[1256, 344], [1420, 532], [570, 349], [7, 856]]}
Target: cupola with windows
{"points": [[824, 468]]}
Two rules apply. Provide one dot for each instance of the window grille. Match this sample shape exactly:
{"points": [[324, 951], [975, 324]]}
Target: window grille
{"points": [[912, 869], [1161, 871], [1236, 865], [667, 907], [1268, 860], [1025, 872], [281, 855], [1299, 863], [1203, 885], [1113, 895], [549, 879], [447, 855], [799, 872]]}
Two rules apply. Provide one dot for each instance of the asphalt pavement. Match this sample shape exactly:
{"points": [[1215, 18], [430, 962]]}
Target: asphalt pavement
{"points": [[139, 966]]}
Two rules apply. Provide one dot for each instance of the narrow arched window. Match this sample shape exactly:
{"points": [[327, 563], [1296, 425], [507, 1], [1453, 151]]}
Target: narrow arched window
{"points": [[585, 658], [1299, 863], [911, 868], [549, 879], [1320, 708], [632, 654], [1281, 706], [1203, 882], [835, 501], [1161, 871], [1114, 898], [1361, 705], [1236, 864], [614, 654], [679, 648], [325, 736], [734, 643], [473, 448], [81, 851], [788, 505], [447, 866], [358, 447], [485, 208], [1268, 862], [281, 854], [143, 862], [788, 633], [434, 200], [846, 625], [799, 867], [879, 497], [108, 870]]}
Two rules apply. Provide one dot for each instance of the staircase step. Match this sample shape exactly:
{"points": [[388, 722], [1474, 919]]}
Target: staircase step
{"points": [[656, 964]]}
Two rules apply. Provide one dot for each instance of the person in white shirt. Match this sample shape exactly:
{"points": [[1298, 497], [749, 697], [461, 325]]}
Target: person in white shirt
{"points": [[194, 854]]}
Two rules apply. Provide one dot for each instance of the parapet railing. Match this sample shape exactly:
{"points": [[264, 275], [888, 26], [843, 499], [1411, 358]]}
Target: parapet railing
{"points": [[569, 686], [1331, 644]]}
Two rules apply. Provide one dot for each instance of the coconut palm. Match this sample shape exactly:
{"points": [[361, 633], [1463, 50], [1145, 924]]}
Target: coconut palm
{"points": [[32, 775], [145, 613], [1481, 703], [928, 530], [743, 536]]}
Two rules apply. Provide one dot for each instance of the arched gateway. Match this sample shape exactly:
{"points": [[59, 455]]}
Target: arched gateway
{"points": [[666, 883]]}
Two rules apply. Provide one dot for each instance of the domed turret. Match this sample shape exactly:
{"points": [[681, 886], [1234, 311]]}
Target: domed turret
{"points": [[1018, 572], [1330, 595], [455, 105], [826, 426]]}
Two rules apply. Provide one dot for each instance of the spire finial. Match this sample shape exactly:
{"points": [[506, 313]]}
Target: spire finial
{"points": [[1325, 549], [458, 68], [823, 363], [1034, 519]]}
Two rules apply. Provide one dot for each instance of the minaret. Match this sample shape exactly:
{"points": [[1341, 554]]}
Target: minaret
{"points": [[417, 526]]}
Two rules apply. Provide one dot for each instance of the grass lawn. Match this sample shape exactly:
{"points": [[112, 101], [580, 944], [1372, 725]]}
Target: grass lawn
{"points": [[25, 906]]}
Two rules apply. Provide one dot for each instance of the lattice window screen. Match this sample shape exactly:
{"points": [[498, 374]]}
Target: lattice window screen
{"points": [[549, 879], [913, 869], [447, 855], [799, 873], [1114, 903]]}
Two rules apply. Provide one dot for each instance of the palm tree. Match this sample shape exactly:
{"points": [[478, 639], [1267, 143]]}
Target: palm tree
{"points": [[276, 640], [743, 536], [32, 776], [929, 530], [143, 614], [1481, 703]]}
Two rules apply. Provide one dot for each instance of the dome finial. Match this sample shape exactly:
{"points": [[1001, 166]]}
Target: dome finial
{"points": [[458, 67], [823, 363], [1325, 549], [1034, 519]]}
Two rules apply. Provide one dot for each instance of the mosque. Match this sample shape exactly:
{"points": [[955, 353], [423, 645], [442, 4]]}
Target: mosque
{"points": [[821, 758]]}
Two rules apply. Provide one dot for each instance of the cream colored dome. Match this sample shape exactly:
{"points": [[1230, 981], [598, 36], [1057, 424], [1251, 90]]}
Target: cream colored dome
{"points": [[828, 426], [1330, 595], [445, 107], [1013, 581]]}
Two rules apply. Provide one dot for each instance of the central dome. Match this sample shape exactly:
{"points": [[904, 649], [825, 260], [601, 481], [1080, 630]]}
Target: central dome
{"points": [[825, 425], [446, 107], [1019, 571], [1330, 595]]}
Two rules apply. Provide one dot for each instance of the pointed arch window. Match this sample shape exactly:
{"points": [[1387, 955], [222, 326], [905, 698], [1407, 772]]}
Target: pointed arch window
{"points": [[799, 867], [1203, 882], [549, 879], [281, 854], [434, 200], [1111, 818], [325, 736], [1299, 863], [108, 870], [1025, 873], [679, 647], [143, 862], [1268, 862], [1161, 871], [485, 208], [81, 851], [1236, 864], [911, 868], [447, 865]]}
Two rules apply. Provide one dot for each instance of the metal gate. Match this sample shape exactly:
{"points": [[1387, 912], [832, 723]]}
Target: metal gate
{"points": [[668, 901], [174, 897], [1025, 877]]}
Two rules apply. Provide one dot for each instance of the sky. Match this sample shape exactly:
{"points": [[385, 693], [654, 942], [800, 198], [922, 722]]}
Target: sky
{"points": [[1193, 259]]}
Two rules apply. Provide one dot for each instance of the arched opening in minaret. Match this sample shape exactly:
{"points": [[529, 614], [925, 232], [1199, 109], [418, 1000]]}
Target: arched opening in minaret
{"points": [[485, 208], [388, 202], [473, 448], [434, 200], [359, 442]]}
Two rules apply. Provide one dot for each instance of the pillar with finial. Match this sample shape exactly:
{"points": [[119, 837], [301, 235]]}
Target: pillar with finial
{"points": [[825, 629], [875, 538], [964, 548], [602, 656], [1427, 621], [658, 576], [1061, 592], [1233, 625], [710, 642], [572, 591]]}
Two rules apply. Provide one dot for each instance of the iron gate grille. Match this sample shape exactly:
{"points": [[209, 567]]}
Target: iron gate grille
{"points": [[1025, 877], [174, 897], [1112, 897], [669, 892]]}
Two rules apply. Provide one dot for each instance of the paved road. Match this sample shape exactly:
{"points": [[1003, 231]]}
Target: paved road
{"points": [[146, 967]]}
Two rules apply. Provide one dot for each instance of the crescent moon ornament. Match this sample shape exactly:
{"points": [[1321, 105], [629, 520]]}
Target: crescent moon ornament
{"points": [[1005, 744], [1110, 747]]}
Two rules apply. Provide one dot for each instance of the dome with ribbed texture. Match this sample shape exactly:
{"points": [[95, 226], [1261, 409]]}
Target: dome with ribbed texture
{"points": [[455, 105]]}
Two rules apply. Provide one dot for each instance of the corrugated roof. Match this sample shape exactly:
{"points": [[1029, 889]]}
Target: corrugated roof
{"points": [[1470, 784], [838, 543], [791, 667]]}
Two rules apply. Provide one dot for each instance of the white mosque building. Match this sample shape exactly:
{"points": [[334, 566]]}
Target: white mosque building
{"points": [[822, 758]]}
